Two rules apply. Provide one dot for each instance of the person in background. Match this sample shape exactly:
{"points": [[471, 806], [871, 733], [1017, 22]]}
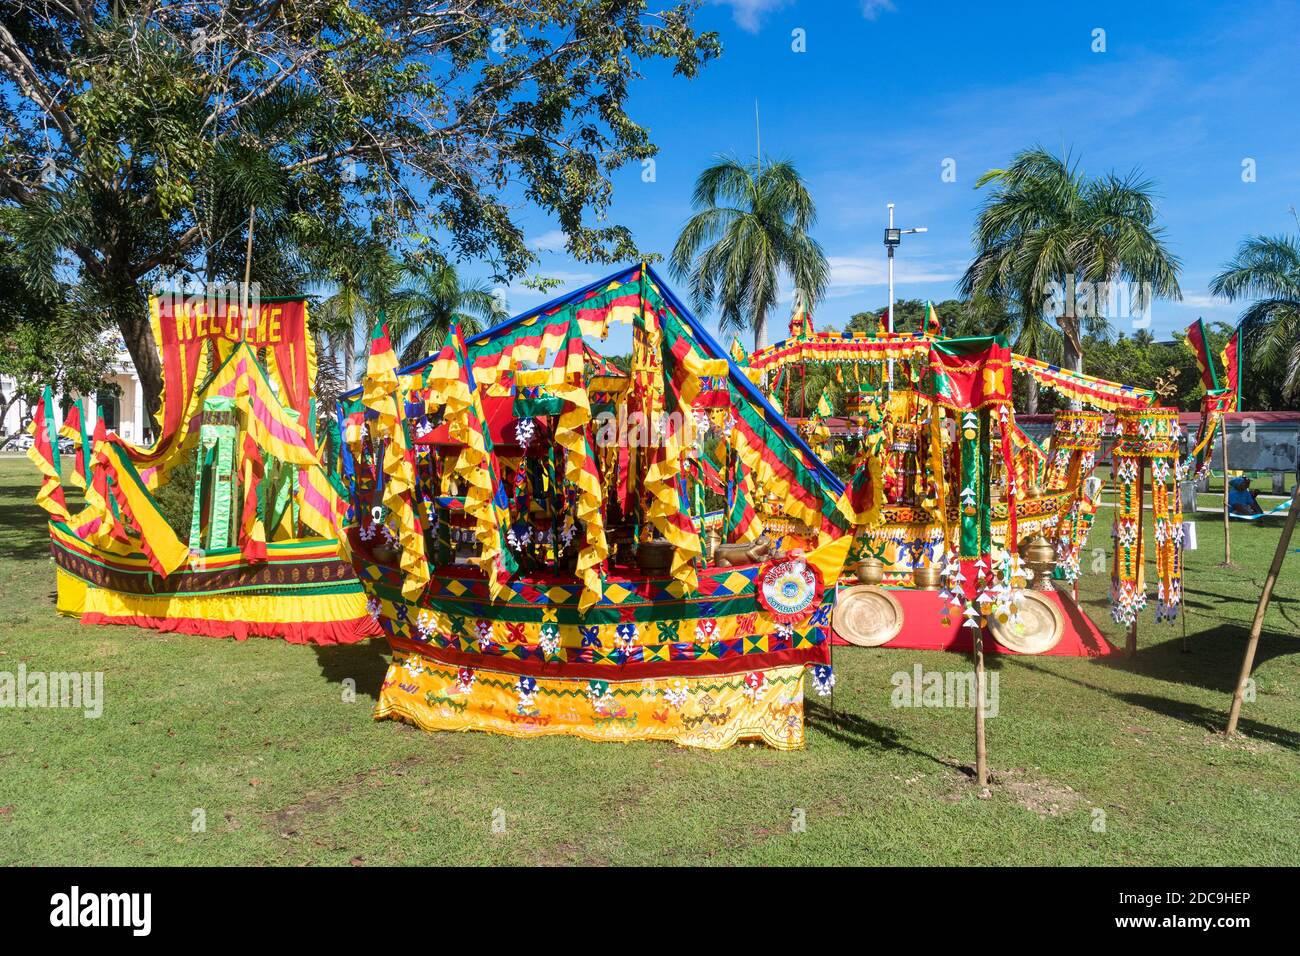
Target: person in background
{"points": [[1241, 500]]}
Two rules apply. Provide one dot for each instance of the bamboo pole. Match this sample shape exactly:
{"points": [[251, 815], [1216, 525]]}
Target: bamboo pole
{"points": [[248, 260], [1227, 533], [1183, 612], [1248, 662], [981, 750]]}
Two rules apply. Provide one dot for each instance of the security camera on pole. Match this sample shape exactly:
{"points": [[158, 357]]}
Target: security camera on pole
{"points": [[892, 238]]}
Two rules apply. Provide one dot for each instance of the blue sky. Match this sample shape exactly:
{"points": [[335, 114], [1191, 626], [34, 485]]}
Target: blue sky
{"points": [[889, 89]]}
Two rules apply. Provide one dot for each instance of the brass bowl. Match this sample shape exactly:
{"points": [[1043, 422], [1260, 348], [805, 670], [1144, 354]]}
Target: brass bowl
{"points": [[655, 557], [871, 570], [1040, 557], [1038, 550], [926, 578], [711, 542]]}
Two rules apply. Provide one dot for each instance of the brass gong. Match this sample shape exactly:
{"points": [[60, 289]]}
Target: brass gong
{"points": [[1040, 627], [867, 616]]}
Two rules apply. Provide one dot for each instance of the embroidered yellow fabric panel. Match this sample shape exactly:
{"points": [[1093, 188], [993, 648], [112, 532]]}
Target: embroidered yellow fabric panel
{"points": [[711, 712]]}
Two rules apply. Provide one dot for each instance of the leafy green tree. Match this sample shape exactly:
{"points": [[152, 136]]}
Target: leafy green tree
{"points": [[365, 283], [1046, 230], [1137, 359], [1267, 269], [136, 136], [752, 223], [433, 298], [867, 321], [958, 318], [45, 340]]}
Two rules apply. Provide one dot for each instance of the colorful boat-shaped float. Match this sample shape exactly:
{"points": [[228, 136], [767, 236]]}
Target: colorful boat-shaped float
{"points": [[262, 555], [557, 544], [539, 531]]}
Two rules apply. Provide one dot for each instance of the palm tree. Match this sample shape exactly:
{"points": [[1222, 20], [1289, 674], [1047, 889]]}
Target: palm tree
{"points": [[365, 283], [752, 222], [1046, 227], [433, 297], [1267, 269], [1031, 334]]}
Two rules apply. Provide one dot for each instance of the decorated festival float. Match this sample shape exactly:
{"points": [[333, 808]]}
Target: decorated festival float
{"points": [[949, 491], [259, 554], [557, 545]]}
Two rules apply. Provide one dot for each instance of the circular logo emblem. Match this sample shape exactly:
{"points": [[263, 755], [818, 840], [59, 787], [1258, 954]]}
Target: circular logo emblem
{"points": [[788, 590]]}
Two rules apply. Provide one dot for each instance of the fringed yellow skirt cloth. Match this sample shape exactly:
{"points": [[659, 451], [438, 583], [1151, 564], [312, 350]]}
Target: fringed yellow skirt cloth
{"points": [[304, 593], [712, 712], [651, 660]]}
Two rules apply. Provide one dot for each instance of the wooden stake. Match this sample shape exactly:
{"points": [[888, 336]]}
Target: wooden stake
{"points": [[981, 751], [248, 259], [1183, 612], [1227, 534], [1248, 662]]}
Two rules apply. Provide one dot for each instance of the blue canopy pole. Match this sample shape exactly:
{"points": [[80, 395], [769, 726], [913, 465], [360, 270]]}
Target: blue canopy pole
{"points": [[751, 391]]}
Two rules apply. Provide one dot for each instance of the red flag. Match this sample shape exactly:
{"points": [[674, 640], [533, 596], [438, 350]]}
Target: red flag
{"points": [[1231, 357], [74, 429], [44, 454], [1201, 347]]}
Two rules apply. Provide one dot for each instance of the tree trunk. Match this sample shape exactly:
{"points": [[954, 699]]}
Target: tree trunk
{"points": [[1031, 399], [760, 331], [4, 416], [1072, 358], [133, 322]]}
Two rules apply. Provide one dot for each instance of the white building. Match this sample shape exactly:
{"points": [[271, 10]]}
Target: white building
{"points": [[122, 408]]}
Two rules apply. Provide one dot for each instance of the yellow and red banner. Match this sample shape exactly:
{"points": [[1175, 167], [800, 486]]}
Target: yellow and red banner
{"points": [[186, 327]]}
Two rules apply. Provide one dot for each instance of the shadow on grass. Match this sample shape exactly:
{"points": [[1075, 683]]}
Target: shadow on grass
{"points": [[1285, 607], [1212, 660], [1211, 720], [28, 527], [1250, 599], [1215, 671], [365, 662], [858, 732]]}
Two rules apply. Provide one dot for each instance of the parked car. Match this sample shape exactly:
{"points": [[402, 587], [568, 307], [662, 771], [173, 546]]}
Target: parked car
{"points": [[20, 442]]}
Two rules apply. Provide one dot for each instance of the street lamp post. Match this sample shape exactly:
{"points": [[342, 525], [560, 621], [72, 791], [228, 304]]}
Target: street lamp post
{"points": [[893, 237]]}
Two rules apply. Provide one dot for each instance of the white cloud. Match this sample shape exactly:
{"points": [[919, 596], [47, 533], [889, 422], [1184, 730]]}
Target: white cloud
{"points": [[520, 297], [1203, 300], [871, 9], [749, 14], [551, 241], [853, 273]]}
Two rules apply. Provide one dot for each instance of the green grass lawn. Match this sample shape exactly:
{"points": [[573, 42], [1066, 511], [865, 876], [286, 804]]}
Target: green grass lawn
{"points": [[257, 735]]}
